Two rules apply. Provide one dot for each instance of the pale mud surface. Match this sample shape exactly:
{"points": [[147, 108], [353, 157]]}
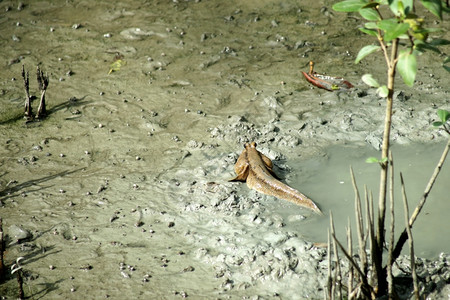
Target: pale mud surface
{"points": [[122, 191]]}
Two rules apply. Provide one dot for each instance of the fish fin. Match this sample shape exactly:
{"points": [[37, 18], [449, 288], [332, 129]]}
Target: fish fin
{"points": [[241, 163], [269, 165], [242, 176], [267, 162]]}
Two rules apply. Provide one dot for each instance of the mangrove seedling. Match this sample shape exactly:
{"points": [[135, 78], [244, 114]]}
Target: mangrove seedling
{"points": [[400, 36], [444, 116]]}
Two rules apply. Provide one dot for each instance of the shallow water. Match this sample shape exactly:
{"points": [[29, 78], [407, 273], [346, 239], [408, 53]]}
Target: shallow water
{"points": [[123, 187], [335, 191]]}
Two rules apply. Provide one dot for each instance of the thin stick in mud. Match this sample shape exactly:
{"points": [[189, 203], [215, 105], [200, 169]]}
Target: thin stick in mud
{"points": [[26, 82], [43, 84], [2, 250], [410, 239]]}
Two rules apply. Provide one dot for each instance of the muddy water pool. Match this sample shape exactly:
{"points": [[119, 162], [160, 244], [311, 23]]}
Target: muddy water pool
{"points": [[335, 193], [122, 189]]}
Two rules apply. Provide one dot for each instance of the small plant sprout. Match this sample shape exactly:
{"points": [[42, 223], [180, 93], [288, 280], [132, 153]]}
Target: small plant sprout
{"points": [[444, 116], [371, 160]]}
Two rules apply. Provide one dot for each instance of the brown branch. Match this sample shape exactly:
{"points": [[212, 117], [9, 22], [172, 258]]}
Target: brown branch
{"points": [[390, 278], [380, 238]]}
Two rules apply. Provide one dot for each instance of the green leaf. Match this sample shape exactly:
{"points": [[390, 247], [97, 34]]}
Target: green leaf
{"points": [[409, 5], [432, 30], [434, 6], [437, 124], [421, 46], [371, 5], [369, 31], [366, 50], [443, 114], [348, 5], [392, 28], [382, 91], [369, 80], [407, 67], [371, 25], [439, 42], [371, 160], [446, 60], [400, 7], [393, 5], [369, 14]]}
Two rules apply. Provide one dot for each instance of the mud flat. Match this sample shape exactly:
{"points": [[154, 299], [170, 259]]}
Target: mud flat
{"points": [[123, 191]]}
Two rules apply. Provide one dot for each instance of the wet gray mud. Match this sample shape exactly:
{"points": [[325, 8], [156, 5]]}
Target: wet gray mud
{"points": [[122, 190]]}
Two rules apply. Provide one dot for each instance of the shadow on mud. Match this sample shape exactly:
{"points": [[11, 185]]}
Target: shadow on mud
{"points": [[11, 192], [69, 104]]}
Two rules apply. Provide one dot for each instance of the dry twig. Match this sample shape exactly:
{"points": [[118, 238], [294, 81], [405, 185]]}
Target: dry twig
{"points": [[26, 82], [410, 239], [43, 81], [2, 250], [337, 273]]}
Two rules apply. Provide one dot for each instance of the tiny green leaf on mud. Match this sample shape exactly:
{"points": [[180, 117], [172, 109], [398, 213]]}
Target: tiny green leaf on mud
{"points": [[116, 65], [407, 67], [444, 64], [443, 114]]}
